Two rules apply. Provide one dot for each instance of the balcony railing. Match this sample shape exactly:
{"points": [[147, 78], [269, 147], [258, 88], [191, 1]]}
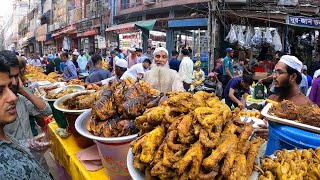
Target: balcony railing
{"points": [[92, 9]]}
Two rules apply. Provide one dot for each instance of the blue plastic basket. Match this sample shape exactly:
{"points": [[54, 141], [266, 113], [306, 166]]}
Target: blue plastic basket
{"points": [[287, 137]]}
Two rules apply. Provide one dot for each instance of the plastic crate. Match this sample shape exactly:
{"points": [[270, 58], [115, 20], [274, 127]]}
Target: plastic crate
{"points": [[287, 137]]}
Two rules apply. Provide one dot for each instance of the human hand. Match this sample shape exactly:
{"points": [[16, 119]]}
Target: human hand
{"points": [[260, 81], [34, 144], [262, 130], [241, 105]]}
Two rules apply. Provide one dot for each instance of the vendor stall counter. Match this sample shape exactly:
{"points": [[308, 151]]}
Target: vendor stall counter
{"points": [[64, 151]]}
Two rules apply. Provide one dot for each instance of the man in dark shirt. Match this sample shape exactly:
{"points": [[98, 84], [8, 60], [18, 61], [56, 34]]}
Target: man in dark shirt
{"points": [[174, 62], [57, 61], [235, 89], [50, 65], [98, 73]]}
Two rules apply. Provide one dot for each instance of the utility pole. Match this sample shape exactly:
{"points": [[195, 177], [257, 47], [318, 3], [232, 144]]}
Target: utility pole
{"points": [[212, 6]]}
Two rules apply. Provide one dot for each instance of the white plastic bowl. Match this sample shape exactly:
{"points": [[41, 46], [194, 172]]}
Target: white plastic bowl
{"points": [[134, 173], [77, 88], [81, 128], [59, 102]]}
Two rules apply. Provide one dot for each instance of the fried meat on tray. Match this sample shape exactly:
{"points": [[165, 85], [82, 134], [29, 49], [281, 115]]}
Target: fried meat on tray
{"points": [[193, 137], [307, 114]]}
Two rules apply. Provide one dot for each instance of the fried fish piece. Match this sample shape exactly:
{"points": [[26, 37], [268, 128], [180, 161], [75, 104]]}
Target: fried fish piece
{"points": [[149, 144], [219, 153]]}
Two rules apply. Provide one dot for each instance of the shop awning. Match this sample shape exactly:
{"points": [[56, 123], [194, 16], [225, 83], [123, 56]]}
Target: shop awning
{"points": [[91, 32], [146, 24], [198, 22], [131, 26]]}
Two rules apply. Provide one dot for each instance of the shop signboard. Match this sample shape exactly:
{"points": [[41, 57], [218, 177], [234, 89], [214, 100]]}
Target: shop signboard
{"points": [[83, 26], [101, 42], [41, 32], [304, 21]]}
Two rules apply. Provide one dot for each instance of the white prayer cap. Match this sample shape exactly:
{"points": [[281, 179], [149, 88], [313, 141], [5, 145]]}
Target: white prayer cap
{"points": [[305, 67], [316, 74], [132, 49], [160, 49], [75, 53], [292, 62], [122, 63]]}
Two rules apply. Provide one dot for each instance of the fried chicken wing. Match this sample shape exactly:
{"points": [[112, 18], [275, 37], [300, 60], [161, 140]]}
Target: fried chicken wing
{"points": [[229, 161], [219, 153], [201, 97], [239, 170], [253, 152], [209, 139]]}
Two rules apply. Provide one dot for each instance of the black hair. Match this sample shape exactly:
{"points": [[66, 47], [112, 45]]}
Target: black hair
{"points": [[57, 54], [118, 49], [279, 53], [139, 50], [185, 52], [91, 53], [242, 59], [65, 54], [96, 58], [174, 53], [291, 71], [247, 79], [10, 57], [147, 61], [17, 54], [149, 47], [4, 66]]}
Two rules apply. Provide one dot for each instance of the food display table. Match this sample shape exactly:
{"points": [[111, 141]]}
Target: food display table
{"points": [[64, 151]]}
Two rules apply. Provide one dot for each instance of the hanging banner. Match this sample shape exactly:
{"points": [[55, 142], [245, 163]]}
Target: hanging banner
{"points": [[102, 42], [304, 21]]}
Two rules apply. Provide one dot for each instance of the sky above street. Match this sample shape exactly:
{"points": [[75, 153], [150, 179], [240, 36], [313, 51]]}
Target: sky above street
{"points": [[5, 7]]}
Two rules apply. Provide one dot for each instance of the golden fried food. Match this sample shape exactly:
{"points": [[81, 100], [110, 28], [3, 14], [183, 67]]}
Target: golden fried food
{"points": [[92, 87], [297, 164], [194, 156], [239, 170], [149, 143], [201, 139], [252, 153], [219, 153], [80, 101], [76, 82]]}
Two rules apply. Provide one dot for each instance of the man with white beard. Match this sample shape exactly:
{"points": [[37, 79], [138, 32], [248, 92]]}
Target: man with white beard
{"points": [[161, 77]]}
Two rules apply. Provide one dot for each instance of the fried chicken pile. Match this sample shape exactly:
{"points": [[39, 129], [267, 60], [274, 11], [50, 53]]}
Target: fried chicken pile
{"points": [[92, 87], [306, 114], [297, 164], [118, 104], [194, 137]]}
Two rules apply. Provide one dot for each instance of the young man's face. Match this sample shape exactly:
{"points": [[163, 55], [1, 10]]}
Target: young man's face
{"points": [[8, 99], [245, 85], [146, 65]]}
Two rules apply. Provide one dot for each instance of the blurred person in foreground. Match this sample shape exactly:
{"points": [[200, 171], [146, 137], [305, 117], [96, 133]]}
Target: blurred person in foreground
{"points": [[27, 105], [315, 88], [161, 77], [98, 73], [16, 160], [286, 79]]}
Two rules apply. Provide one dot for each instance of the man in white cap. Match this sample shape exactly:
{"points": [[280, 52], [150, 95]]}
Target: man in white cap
{"points": [[305, 72], [286, 78], [120, 68], [303, 86], [132, 58], [75, 55], [161, 77]]}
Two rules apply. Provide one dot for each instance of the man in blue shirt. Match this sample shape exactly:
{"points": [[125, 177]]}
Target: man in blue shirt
{"points": [[174, 63], [227, 66], [70, 70], [119, 53], [305, 69], [235, 89], [98, 73]]}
